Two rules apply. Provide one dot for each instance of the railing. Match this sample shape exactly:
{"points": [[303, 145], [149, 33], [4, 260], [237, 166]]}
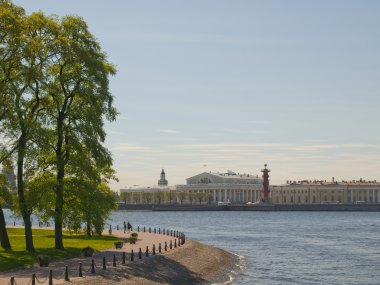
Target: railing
{"points": [[93, 267]]}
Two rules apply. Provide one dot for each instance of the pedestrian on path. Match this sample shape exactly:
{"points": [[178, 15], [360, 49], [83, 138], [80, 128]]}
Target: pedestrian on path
{"points": [[125, 227]]}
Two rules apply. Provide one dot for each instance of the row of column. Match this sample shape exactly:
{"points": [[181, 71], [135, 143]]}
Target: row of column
{"points": [[229, 195]]}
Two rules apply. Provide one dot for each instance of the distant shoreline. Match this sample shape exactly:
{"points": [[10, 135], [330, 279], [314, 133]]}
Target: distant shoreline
{"points": [[259, 207]]}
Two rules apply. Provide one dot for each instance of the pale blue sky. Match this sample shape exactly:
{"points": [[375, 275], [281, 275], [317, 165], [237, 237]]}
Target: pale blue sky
{"points": [[236, 84]]}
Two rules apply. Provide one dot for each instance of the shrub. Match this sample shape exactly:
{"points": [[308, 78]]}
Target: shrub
{"points": [[88, 251], [135, 235], [43, 260], [132, 239]]}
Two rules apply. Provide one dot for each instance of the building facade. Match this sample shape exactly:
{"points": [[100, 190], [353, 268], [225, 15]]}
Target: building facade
{"points": [[211, 187]]}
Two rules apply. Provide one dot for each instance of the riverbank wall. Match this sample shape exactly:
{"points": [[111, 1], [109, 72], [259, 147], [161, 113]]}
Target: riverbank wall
{"points": [[259, 207]]}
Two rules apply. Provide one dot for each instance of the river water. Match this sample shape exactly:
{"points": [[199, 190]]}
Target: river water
{"points": [[282, 247]]}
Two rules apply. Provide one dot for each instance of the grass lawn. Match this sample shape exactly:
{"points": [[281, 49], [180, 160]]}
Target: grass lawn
{"points": [[43, 241]]}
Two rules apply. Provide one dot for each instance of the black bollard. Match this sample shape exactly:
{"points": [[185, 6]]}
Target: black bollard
{"points": [[166, 246], [179, 242], [144, 229], [159, 248], [110, 230], [171, 233], [132, 255], [80, 270], [146, 252], [150, 230], [12, 281], [117, 227], [163, 231], [138, 228], [140, 253], [175, 243], [114, 261], [92, 266], [159, 230], [154, 230], [51, 277], [124, 257], [104, 263], [34, 279], [171, 244], [67, 273], [154, 250]]}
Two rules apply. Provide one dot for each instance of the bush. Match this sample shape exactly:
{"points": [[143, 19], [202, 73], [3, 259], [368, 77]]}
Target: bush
{"points": [[88, 251], [135, 235], [132, 239], [119, 244], [43, 260]]}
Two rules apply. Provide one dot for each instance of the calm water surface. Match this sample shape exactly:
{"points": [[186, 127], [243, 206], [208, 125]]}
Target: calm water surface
{"points": [[283, 247]]}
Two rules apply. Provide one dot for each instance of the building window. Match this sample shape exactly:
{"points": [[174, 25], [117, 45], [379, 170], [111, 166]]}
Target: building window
{"points": [[314, 201]]}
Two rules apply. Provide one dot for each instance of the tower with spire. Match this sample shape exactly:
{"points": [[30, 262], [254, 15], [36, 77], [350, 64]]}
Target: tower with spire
{"points": [[162, 181]]}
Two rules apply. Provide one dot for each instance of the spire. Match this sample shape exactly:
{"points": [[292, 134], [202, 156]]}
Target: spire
{"points": [[162, 181]]}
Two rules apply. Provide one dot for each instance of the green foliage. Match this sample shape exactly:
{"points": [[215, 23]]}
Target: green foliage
{"points": [[54, 98]]}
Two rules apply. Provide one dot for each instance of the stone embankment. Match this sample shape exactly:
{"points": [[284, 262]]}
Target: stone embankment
{"points": [[254, 207]]}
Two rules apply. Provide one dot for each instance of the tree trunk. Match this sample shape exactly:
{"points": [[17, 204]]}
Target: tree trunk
{"points": [[58, 216], [3, 232], [88, 229], [25, 212]]}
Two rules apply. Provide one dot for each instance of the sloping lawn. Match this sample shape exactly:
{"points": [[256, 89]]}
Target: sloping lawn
{"points": [[43, 240]]}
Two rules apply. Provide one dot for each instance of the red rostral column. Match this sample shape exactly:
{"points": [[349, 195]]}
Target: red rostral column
{"points": [[265, 171]]}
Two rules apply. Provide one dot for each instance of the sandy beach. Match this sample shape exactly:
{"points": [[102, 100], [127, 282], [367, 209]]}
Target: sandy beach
{"points": [[191, 263]]}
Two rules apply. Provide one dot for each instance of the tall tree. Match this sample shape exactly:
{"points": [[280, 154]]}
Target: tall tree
{"points": [[80, 101], [24, 51], [4, 197]]}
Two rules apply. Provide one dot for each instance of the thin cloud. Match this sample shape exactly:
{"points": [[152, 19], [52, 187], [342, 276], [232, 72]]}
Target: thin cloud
{"points": [[168, 131], [130, 148]]}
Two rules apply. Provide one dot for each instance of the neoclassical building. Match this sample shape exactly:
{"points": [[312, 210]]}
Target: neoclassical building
{"points": [[326, 192], [247, 188]]}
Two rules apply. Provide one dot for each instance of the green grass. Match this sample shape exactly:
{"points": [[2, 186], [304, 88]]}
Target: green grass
{"points": [[43, 240]]}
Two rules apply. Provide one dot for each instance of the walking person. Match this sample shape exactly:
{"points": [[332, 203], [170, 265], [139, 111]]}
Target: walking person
{"points": [[125, 227], [129, 227]]}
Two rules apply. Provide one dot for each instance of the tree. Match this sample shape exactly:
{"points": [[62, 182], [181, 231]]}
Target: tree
{"points": [[126, 197], [182, 196], [192, 196], [4, 197], [171, 196], [200, 196], [147, 197], [159, 196], [24, 52], [79, 101]]}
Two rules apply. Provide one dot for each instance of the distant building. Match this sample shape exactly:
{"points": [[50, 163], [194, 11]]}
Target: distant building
{"points": [[320, 192], [247, 188], [228, 177], [225, 186], [162, 181]]}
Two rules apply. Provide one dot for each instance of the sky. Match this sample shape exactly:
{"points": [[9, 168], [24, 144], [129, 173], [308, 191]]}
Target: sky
{"points": [[213, 85]]}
